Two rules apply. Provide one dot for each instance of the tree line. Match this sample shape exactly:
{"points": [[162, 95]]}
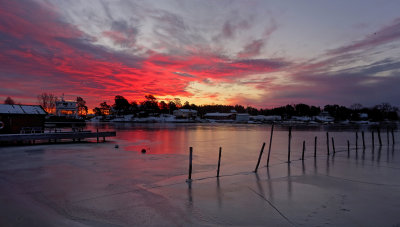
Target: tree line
{"points": [[152, 106]]}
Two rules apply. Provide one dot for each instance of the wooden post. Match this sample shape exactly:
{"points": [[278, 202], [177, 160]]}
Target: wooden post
{"points": [[315, 147], [348, 148], [304, 148], [190, 163], [259, 157], [270, 143], [387, 136], [363, 140], [97, 135], [379, 137], [333, 145], [373, 139], [327, 142], [290, 139], [219, 160], [356, 140], [392, 137]]}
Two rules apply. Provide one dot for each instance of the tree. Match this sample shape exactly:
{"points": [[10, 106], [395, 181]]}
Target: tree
{"points": [[338, 112], [251, 110], [121, 105], [150, 98], [97, 111], [81, 105], [186, 105], [178, 102], [171, 107], [134, 107], [302, 109], [314, 111], [104, 109], [9, 101], [240, 108], [356, 107], [47, 101], [387, 111], [163, 107], [151, 104]]}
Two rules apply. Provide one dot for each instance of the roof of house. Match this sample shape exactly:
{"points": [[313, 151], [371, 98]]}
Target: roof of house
{"points": [[21, 109]]}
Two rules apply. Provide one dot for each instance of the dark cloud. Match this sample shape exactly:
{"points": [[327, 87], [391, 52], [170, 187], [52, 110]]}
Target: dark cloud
{"points": [[369, 85], [382, 36], [267, 63], [252, 49], [185, 74], [122, 34], [227, 30], [231, 27]]}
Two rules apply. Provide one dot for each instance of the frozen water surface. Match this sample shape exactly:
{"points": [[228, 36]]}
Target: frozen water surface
{"points": [[97, 184]]}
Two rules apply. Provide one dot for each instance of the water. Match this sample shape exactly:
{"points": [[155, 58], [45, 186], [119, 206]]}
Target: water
{"points": [[98, 184], [241, 143]]}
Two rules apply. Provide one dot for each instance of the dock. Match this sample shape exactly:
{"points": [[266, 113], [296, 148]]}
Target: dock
{"points": [[54, 136]]}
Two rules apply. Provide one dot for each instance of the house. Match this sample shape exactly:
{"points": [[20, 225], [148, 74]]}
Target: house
{"points": [[66, 108], [301, 118], [242, 118], [185, 113], [264, 118], [221, 117], [324, 116], [17, 118], [363, 116]]}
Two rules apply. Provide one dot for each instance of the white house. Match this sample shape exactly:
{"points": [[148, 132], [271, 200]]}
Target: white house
{"points": [[363, 116], [324, 116], [221, 117], [242, 118], [266, 118], [185, 113], [301, 118], [66, 108]]}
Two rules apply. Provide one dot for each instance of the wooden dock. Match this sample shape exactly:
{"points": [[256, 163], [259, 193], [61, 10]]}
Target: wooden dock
{"points": [[56, 136]]}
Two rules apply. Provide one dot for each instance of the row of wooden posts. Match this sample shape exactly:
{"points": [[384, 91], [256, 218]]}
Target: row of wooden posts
{"points": [[304, 148]]}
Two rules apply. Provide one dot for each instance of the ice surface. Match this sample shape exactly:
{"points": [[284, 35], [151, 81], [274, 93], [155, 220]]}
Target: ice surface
{"points": [[96, 184]]}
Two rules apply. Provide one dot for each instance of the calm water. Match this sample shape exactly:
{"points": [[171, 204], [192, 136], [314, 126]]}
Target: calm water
{"points": [[241, 143]]}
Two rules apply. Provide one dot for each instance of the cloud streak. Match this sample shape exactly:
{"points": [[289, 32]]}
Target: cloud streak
{"points": [[70, 62], [168, 54]]}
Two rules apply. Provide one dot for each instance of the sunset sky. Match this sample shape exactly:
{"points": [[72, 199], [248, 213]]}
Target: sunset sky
{"points": [[258, 53]]}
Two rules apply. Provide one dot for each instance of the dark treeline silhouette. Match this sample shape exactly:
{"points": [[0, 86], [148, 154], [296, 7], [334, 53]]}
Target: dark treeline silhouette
{"points": [[151, 106]]}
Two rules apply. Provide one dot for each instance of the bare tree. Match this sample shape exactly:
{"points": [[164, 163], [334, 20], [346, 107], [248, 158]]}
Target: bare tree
{"points": [[47, 101], [356, 106], [82, 108], [9, 101], [178, 102]]}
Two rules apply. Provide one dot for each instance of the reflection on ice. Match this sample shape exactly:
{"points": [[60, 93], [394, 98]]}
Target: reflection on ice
{"points": [[96, 184]]}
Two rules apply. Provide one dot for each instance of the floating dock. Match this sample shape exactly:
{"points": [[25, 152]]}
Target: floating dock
{"points": [[56, 136]]}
